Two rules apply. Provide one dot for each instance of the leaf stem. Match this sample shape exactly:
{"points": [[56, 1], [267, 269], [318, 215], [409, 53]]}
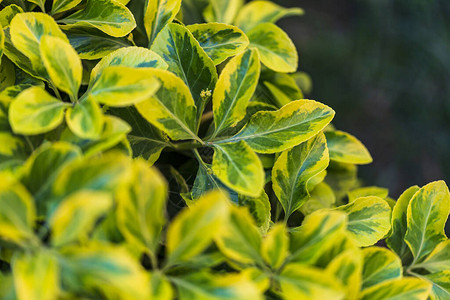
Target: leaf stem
{"points": [[53, 87], [187, 145]]}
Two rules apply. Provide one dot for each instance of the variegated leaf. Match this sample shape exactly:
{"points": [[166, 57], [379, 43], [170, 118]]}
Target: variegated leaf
{"points": [[8, 13], [63, 5], [321, 196], [345, 148], [222, 11], [275, 246], [259, 208], [347, 268], [85, 119], [158, 14], [441, 285], [438, 260], [405, 288], [367, 191], [380, 265]]}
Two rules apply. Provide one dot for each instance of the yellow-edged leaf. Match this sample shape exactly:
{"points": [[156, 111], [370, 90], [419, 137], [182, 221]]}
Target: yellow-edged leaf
{"points": [[63, 5], [345, 148], [405, 288], [158, 14], [85, 119], [275, 246], [347, 268], [380, 265], [222, 11]]}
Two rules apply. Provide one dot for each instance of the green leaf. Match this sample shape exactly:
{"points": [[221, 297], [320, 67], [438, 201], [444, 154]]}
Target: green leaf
{"points": [[406, 288], [85, 119], [135, 57], [438, 260], [308, 283], [259, 208], [141, 205], [63, 64], [275, 246], [277, 50], [161, 288], [367, 191], [278, 88], [233, 90], [8, 13], [258, 12], [186, 59], [239, 168], [194, 229], [158, 14], [2, 41], [172, 108], [426, 216], [322, 196], [35, 111], [120, 86], [76, 216], [40, 3], [441, 285], [294, 168], [222, 11], [17, 215], [219, 41], [240, 239], [380, 265], [109, 16], [276, 131], [345, 148], [63, 5], [12, 147], [346, 267], [36, 276], [399, 223]]}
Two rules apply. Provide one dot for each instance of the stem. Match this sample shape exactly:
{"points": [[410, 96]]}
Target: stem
{"points": [[187, 145], [199, 159], [53, 87], [153, 260]]}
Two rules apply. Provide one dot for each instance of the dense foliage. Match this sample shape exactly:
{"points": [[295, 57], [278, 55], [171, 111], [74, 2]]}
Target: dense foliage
{"points": [[93, 93]]}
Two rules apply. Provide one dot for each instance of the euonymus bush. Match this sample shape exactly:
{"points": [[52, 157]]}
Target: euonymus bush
{"points": [[254, 194]]}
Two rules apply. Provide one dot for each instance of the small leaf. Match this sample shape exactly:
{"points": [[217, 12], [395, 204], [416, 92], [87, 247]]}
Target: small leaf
{"points": [[120, 86], [322, 196], [380, 265], [222, 11], [368, 219], [439, 258], [345, 148], [277, 50], [63, 5], [194, 229], [427, 213], [158, 14], [294, 168], [219, 41], [109, 16], [35, 111], [85, 119], [405, 288], [75, 217], [259, 208], [367, 191], [8, 13], [275, 246]]}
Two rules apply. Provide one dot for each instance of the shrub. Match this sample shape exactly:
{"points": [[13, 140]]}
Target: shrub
{"points": [[93, 93]]}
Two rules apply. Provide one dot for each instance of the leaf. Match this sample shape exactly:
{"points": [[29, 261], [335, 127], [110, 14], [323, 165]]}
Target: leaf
{"points": [[172, 108], [259, 208], [426, 216], [276, 131], [2, 41], [63, 65], [303, 282], [40, 3], [8, 13], [277, 50], [318, 230], [158, 14], [26, 31], [194, 229], [63, 5], [120, 86], [186, 59], [380, 265], [35, 111], [135, 57], [441, 285], [240, 240], [258, 12], [222, 11], [399, 223], [368, 219], [36, 276], [278, 88], [294, 168], [75, 217], [233, 90], [208, 286], [85, 119], [367, 191], [275, 246], [141, 205], [239, 168], [17, 215], [322, 196], [12, 147], [109, 16], [405, 288], [205, 181], [345, 148], [219, 41], [161, 288], [438, 260]]}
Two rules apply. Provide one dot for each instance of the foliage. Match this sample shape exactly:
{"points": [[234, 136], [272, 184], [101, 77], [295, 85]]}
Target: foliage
{"points": [[96, 92]]}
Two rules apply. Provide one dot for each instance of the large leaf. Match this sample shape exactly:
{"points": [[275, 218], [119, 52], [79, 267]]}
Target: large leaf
{"points": [[427, 213], [123, 86], [441, 285], [368, 219], [276, 131], [294, 168], [35, 111], [222, 11], [277, 50], [187, 60], [158, 14], [63, 5], [194, 229], [380, 265], [345, 148], [438, 260], [8, 13], [172, 108], [109, 16], [233, 90], [238, 167], [141, 206], [85, 119], [257, 12], [275, 246], [63, 65], [406, 288], [219, 41]]}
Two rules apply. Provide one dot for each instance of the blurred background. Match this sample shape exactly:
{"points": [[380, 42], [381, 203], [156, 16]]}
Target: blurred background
{"points": [[384, 66]]}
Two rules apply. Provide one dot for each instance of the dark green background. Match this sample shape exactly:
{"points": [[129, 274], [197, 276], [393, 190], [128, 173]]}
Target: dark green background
{"points": [[384, 66]]}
